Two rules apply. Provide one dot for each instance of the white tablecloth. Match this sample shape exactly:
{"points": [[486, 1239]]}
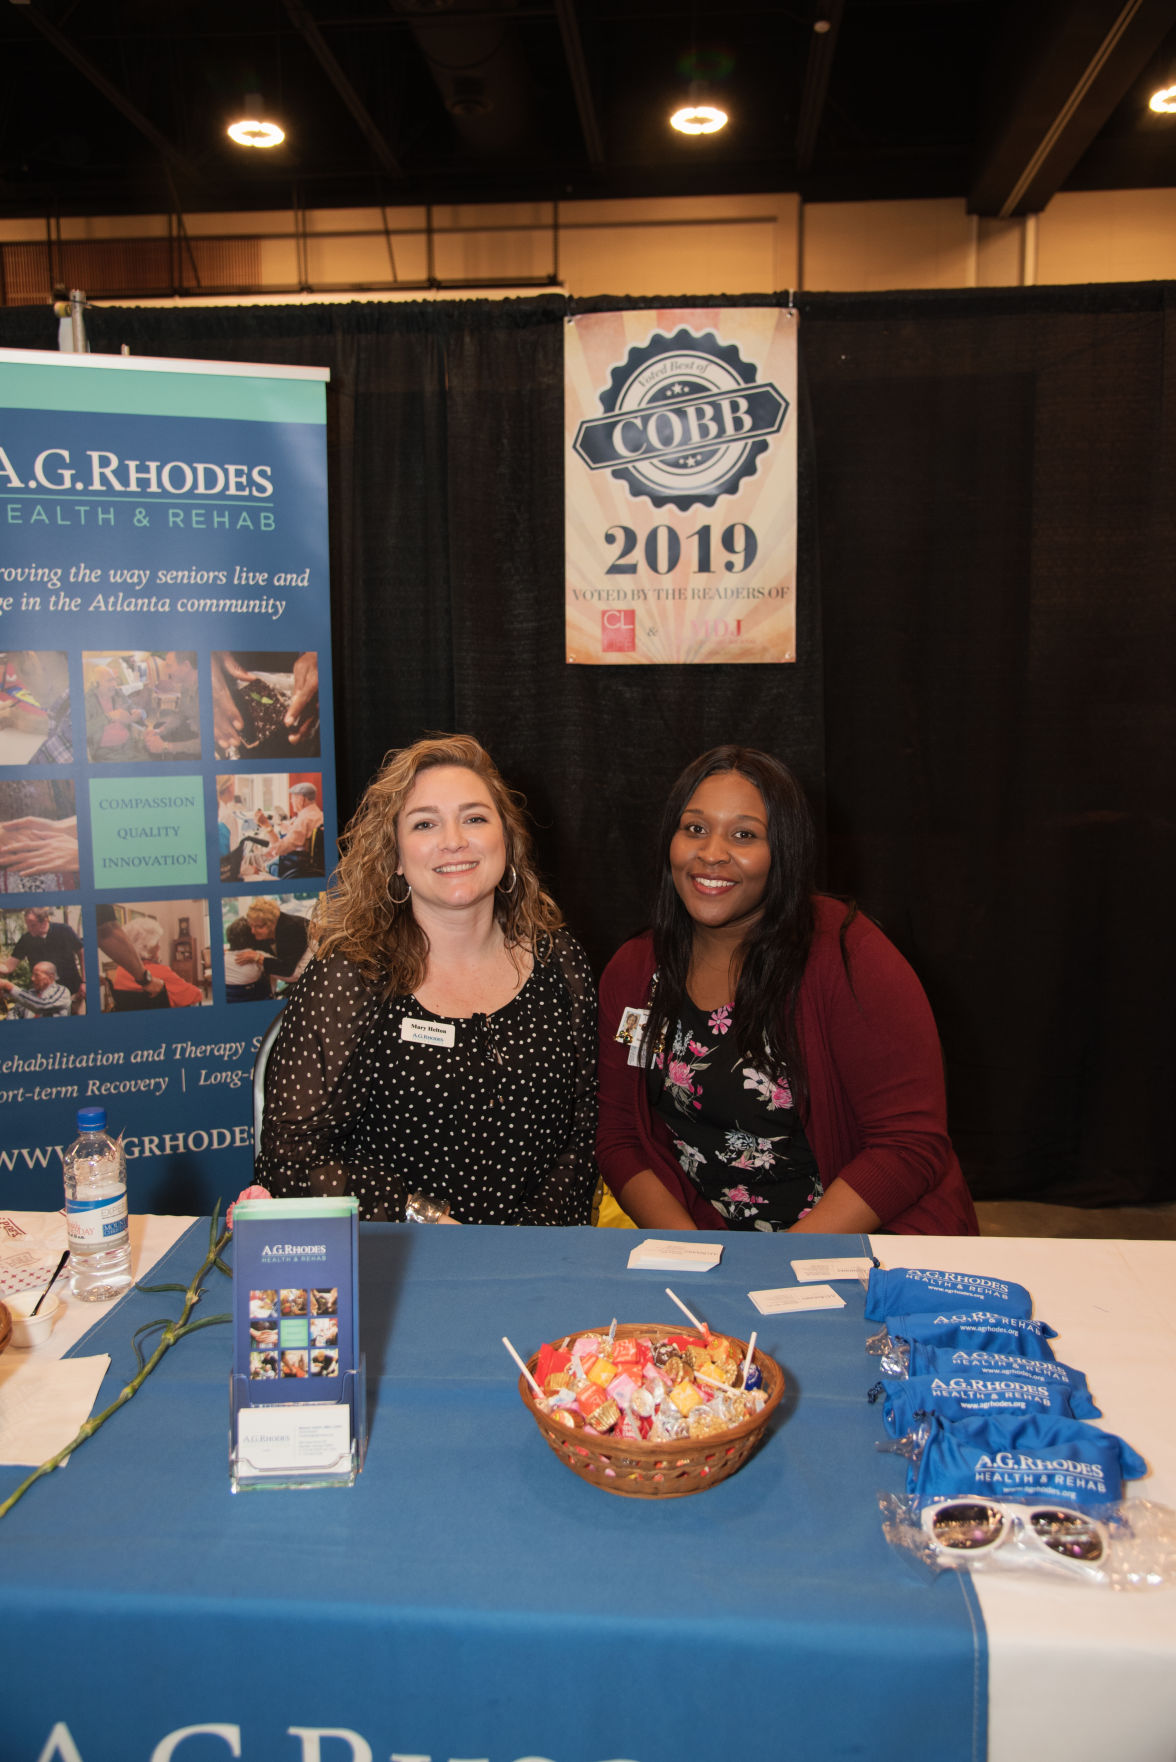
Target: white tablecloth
{"points": [[1077, 1673], [151, 1237]]}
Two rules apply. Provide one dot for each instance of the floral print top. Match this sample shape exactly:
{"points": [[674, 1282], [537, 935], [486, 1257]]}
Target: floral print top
{"points": [[737, 1133]]}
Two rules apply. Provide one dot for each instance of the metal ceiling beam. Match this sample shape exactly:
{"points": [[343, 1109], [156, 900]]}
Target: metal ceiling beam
{"points": [[308, 29], [818, 67], [1074, 74], [573, 48], [113, 94]]}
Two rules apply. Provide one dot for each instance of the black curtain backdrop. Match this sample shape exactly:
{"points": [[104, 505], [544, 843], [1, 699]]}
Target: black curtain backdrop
{"points": [[982, 705]]}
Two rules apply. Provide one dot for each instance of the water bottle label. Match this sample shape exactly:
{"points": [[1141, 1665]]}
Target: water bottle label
{"points": [[96, 1223]]}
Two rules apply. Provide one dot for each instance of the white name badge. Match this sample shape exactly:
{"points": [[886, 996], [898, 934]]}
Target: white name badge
{"points": [[631, 1025], [631, 1031], [427, 1033]]}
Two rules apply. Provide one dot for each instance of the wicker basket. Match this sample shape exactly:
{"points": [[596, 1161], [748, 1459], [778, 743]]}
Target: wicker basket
{"points": [[661, 1470]]}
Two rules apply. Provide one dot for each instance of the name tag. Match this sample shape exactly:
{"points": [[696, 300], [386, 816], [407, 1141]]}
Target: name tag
{"points": [[631, 1030], [427, 1033]]}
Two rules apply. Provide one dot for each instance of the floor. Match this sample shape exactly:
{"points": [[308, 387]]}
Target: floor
{"points": [[1016, 1217]]}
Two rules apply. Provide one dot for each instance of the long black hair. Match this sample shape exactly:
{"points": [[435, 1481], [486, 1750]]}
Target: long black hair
{"points": [[775, 948]]}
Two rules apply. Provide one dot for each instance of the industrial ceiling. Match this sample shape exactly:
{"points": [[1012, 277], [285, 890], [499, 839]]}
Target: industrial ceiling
{"points": [[120, 107]]}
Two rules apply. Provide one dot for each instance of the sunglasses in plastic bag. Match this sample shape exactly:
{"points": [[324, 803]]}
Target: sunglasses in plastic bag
{"points": [[965, 1530]]}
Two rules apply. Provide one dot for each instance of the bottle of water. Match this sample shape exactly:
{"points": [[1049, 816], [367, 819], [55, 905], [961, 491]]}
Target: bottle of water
{"points": [[96, 1211]]}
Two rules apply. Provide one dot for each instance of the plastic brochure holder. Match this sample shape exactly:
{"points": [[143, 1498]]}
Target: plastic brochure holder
{"points": [[297, 1403], [298, 1444]]}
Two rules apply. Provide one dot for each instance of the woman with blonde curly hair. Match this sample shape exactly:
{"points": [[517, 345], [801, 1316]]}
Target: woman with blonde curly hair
{"points": [[442, 1038]]}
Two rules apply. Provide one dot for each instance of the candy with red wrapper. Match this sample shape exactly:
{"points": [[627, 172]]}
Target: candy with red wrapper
{"points": [[639, 1388]]}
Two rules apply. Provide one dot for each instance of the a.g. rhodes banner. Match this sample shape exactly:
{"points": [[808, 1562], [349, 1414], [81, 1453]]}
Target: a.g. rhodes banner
{"points": [[680, 499], [167, 784]]}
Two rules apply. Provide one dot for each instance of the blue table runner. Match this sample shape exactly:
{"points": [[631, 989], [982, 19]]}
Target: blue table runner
{"points": [[469, 1597]]}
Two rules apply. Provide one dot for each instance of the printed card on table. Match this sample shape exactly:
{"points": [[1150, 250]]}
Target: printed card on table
{"points": [[653, 1255], [807, 1272], [791, 1299], [29, 1247]]}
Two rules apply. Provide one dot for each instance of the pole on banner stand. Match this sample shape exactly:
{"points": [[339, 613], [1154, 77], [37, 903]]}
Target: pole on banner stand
{"points": [[71, 331]]}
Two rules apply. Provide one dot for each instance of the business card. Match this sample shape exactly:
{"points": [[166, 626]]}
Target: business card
{"points": [[786, 1298], [282, 1440], [809, 1270], [674, 1257]]}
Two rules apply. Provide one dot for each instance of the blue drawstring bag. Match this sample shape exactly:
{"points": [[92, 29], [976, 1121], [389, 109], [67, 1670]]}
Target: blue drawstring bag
{"points": [[914, 1290], [967, 1395], [975, 1331], [930, 1361], [1040, 1459]]}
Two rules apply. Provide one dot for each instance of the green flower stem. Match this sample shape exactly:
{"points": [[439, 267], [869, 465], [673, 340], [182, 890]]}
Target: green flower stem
{"points": [[172, 1331]]}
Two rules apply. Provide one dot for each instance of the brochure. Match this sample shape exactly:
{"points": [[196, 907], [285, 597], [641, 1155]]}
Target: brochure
{"points": [[295, 1339]]}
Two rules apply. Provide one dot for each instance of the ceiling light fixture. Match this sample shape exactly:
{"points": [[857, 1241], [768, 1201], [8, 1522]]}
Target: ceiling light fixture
{"points": [[1164, 100], [699, 119], [250, 131]]}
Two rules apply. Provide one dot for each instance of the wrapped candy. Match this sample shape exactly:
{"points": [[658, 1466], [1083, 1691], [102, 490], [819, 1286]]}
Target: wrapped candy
{"points": [[622, 1389], [666, 1389], [676, 1417]]}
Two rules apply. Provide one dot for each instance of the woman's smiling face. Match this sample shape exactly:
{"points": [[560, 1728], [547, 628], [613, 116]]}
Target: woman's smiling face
{"points": [[719, 856], [450, 837]]}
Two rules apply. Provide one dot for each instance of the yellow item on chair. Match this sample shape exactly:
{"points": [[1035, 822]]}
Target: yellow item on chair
{"points": [[607, 1214]]}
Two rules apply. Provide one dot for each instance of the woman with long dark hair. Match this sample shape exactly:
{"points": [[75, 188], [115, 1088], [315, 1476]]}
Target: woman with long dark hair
{"points": [[768, 1060], [442, 1039]]}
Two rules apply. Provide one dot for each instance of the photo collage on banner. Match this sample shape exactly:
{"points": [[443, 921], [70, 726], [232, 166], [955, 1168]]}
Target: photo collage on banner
{"points": [[680, 497], [167, 783]]}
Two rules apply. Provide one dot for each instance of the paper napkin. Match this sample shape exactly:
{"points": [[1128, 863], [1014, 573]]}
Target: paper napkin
{"points": [[43, 1402]]}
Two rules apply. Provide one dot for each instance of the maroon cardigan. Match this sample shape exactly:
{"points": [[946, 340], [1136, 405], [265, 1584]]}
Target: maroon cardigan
{"points": [[877, 1113]]}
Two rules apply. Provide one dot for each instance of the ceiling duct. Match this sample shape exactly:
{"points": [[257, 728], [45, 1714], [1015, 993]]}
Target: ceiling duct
{"points": [[477, 64]]}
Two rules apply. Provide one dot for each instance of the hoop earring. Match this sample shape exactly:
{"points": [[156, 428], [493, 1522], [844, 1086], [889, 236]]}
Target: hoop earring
{"points": [[402, 898], [514, 880]]}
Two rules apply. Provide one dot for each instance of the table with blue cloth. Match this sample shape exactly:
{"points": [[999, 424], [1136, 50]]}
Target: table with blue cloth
{"points": [[469, 1597]]}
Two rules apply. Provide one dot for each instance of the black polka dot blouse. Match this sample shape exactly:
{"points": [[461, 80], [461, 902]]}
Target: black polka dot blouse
{"points": [[501, 1123]]}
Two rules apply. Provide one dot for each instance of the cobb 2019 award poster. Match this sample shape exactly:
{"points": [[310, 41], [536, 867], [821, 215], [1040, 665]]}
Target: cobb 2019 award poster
{"points": [[680, 475], [167, 786]]}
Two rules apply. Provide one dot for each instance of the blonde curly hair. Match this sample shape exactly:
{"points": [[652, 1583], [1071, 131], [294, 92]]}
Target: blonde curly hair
{"points": [[357, 916]]}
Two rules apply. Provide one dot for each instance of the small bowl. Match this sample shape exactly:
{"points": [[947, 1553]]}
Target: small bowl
{"points": [[29, 1329]]}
